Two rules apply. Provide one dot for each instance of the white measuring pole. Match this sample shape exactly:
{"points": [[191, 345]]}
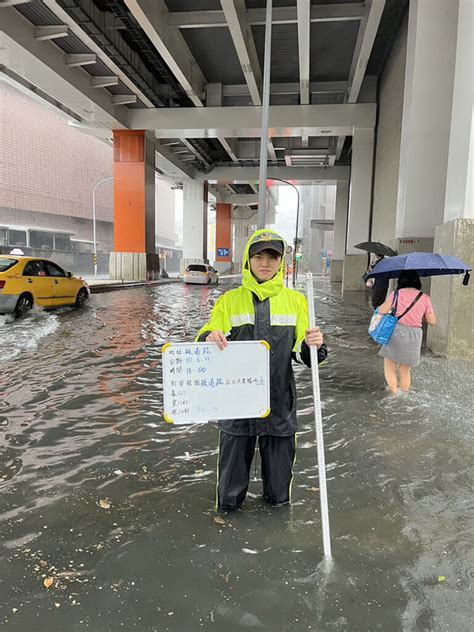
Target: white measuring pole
{"points": [[319, 425]]}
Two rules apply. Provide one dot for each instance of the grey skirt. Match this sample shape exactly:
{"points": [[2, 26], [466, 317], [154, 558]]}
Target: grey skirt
{"points": [[404, 346]]}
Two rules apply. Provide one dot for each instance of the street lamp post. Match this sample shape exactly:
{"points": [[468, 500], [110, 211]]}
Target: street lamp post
{"points": [[297, 221], [94, 222], [262, 191]]}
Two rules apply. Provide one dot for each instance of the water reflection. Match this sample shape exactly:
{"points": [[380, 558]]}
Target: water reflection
{"points": [[116, 507]]}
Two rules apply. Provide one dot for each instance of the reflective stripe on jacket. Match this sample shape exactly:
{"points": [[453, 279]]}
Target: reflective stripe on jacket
{"points": [[271, 312]]}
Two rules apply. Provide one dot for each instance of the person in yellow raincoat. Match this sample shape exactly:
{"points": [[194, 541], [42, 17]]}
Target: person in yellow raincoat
{"points": [[262, 308]]}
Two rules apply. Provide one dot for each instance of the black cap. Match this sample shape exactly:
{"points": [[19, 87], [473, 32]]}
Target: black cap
{"points": [[264, 241]]}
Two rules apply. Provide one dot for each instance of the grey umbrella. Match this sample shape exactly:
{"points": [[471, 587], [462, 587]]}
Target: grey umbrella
{"points": [[377, 248]]}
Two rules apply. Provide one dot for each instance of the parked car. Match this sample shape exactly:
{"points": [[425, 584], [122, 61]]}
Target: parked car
{"points": [[28, 281], [201, 273]]}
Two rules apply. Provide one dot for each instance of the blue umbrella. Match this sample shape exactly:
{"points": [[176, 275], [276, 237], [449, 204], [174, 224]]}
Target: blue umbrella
{"points": [[424, 263]]}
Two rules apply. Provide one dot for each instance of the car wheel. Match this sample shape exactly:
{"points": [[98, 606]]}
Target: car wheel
{"points": [[81, 297], [24, 304]]}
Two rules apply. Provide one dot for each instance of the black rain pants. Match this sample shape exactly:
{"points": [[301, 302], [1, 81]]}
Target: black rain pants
{"points": [[235, 459]]}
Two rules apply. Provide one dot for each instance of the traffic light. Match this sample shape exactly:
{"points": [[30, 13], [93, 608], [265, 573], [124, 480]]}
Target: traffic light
{"points": [[298, 256]]}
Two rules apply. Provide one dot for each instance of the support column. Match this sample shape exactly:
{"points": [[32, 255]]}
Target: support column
{"points": [[240, 239], [194, 224], [340, 230], [360, 202], [453, 335], [244, 223], [426, 121], [134, 257], [223, 258]]}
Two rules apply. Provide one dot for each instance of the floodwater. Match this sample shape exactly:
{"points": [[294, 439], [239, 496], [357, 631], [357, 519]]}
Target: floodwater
{"points": [[102, 499]]}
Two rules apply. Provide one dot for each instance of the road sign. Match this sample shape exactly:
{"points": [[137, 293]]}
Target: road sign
{"points": [[289, 250], [222, 252]]}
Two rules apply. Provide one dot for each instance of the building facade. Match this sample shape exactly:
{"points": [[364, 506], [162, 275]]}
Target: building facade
{"points": [[48, 171]]}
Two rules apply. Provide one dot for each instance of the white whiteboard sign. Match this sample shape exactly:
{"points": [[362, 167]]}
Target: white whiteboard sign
{"points": [[202, 383]]}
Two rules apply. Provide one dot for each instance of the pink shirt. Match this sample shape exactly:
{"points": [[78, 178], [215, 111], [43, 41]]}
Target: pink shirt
{"points": [[423, 306]]}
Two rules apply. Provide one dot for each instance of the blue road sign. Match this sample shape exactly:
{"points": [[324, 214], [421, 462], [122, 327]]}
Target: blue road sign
{"points": [[222, 252]]}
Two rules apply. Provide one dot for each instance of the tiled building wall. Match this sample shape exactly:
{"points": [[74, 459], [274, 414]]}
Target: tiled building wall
{"points": [[48, 170]]}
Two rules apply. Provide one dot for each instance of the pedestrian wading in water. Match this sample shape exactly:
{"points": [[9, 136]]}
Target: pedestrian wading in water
{"points": [[404, 347], [378, 286], [262, 308]]}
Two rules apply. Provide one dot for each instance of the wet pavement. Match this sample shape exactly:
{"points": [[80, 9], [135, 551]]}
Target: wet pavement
{"points": [[113, 509]]}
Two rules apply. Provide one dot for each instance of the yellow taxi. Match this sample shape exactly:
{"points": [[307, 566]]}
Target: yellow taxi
{"points": [[28, 281]]}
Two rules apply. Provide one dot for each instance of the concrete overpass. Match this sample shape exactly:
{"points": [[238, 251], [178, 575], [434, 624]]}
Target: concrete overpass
{"points": [[374, 96]]}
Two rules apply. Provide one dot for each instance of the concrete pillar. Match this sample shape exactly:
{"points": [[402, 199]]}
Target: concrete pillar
{"points": [[340, 230], [134, 257], [453, 335], [240, 239], [426, 123], [205, 199], [360, 199], [459, 201], [244, 219], [387, 155], [194, 224], [223, 258]]}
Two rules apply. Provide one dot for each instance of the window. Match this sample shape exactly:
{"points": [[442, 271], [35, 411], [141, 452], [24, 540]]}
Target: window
{"points": [[196, 268], [34, 268], [16, 237], [6, 264], [62, 242], [54, 270], [41, 239]]}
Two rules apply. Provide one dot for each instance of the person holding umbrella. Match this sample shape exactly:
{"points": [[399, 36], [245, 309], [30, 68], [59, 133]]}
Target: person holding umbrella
{"points": [[378, 285], [404, 347]]}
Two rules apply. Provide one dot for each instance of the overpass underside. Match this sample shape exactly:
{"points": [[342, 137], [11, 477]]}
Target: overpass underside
{"points": [[362, 96]]}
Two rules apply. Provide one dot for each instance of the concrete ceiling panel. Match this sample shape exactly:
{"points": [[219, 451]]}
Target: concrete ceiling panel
{"points": [[285, 66], [212, 47], [43, 65], [332, 46]]}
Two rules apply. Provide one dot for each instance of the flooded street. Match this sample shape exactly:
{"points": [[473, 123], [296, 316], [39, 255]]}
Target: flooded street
{"points": [[114, 505]]}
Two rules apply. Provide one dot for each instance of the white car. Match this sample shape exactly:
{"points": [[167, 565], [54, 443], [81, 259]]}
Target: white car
{"points": [[201, 273]]}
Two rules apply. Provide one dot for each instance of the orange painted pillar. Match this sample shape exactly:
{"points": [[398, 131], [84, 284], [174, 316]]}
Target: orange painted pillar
{"points": [[223, 235], [134, 206], [205, 220], [130, 203]]}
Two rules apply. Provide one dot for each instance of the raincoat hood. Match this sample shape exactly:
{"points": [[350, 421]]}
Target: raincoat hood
{"points": [[268, 288]]}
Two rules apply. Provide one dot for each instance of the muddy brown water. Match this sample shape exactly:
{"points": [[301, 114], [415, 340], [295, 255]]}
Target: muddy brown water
{"points": [[117, 507]]}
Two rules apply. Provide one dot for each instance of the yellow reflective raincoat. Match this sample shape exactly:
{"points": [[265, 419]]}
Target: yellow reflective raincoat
{"points": [[266, 311]]}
